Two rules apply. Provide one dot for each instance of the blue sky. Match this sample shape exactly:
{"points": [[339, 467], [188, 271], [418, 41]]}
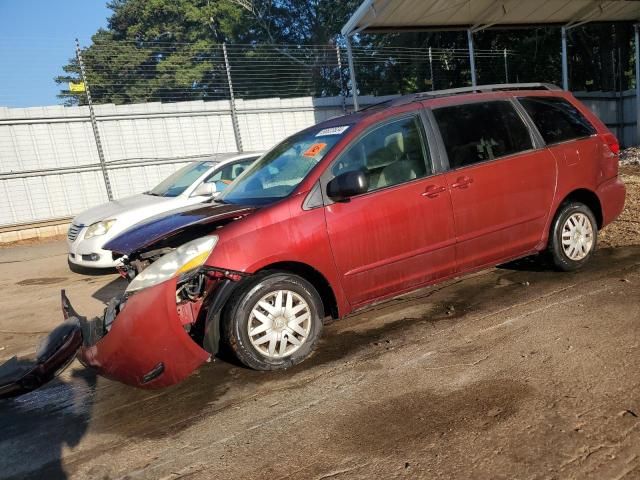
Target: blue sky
{"points": [[36, 39]]}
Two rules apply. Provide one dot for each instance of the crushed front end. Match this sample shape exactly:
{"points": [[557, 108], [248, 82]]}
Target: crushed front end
{"points": [[152, 336]]}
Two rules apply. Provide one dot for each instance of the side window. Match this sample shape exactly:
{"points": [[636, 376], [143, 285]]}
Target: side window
{"points": [[556, 119], [477, 132], [390, 154], [228, 174]]}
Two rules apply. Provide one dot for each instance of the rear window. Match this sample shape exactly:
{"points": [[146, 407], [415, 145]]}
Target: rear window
{"points": [[477, 132], [556, 119]]}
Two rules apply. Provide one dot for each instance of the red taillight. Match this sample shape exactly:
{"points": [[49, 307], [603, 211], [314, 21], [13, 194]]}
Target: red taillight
{"points": [[612, 142], [609, 163]]}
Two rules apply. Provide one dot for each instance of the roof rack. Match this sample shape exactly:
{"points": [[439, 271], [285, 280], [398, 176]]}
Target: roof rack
{"points": [[498, 87], [490, 88], [477, 89]]}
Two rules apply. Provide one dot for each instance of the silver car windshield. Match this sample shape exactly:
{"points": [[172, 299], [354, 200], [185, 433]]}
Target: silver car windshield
{"points": [[179, 181], [277, 173]]}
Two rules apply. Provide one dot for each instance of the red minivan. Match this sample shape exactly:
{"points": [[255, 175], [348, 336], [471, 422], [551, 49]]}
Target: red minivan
{"points": [[350, 212]]}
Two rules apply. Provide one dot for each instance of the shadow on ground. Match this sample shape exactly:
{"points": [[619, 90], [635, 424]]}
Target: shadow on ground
{"points": [[37, 426]]}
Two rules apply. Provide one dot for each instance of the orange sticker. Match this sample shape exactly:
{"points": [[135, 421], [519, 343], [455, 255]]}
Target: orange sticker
{"points": [[314, 149]]}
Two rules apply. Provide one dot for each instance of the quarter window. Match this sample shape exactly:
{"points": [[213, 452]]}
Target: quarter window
{"points": [[556, 119], [477, 132], [391, 154]]}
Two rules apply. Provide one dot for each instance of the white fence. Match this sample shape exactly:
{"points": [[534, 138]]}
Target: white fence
{"points": [[49, 166]]}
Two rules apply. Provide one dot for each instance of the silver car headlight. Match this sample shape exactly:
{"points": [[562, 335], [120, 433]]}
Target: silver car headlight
{"points": [[98, 228], [183, 259]]}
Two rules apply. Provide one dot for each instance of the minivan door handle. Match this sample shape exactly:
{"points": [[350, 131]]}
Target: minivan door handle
{"points": [[462, 182], [432, 191]]}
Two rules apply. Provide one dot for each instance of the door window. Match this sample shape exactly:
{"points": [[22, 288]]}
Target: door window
{"points": [[556, 119], [390, 154], [477, 132], [228, 174]]}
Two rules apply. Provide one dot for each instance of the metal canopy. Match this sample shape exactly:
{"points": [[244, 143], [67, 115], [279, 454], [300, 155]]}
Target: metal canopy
{"points": [[380, 16], [398, 15]]}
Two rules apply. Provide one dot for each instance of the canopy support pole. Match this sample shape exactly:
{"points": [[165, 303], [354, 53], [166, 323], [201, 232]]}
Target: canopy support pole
{"points": [[637, 52], [472, 59], [352, 74], [565, 65]]}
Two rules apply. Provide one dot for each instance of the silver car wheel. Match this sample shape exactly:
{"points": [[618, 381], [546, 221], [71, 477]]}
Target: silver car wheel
{"points": [[279, 324], [577, 236]]}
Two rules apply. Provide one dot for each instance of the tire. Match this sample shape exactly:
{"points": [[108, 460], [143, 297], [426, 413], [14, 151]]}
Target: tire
{"points": [[576, 223], [258, 307]]}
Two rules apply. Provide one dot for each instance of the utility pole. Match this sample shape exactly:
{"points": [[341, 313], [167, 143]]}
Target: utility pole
{"points": [[94, 123]]}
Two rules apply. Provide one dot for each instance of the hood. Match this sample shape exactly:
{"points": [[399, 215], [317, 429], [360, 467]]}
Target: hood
{"points": [[118, 207], [147, 233]]}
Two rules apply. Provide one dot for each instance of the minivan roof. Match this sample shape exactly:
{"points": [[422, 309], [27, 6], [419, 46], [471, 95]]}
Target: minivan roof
{"points": [[369, 110]]}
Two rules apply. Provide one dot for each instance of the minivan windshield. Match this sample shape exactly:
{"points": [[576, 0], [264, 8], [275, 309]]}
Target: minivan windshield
{"points": [[180, 180], [277, 173]]}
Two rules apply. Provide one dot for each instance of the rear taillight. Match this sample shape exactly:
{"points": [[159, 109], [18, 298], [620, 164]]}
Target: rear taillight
{"points": [[612, 142], [610, 159]]}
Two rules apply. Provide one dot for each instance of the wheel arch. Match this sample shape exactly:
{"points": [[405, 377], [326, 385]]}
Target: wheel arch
{"points": [[589, 198], [315, 278]]}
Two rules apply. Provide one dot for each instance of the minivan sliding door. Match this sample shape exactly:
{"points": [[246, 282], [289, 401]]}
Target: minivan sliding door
{"points": [[501, 187]]}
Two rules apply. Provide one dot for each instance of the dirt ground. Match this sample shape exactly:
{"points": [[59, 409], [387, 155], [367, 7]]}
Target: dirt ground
{"points": [[513, 372]]}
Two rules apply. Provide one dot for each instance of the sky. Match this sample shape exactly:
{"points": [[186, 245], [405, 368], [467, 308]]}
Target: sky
{"points": [[37, 37]]}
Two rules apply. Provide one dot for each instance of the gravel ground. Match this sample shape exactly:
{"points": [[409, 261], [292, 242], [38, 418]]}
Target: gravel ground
{"points": [[626, 230]]}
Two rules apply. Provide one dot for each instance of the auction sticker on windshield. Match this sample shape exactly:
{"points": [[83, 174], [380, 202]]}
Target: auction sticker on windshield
{"points": [[332, 131], [314, 149]]}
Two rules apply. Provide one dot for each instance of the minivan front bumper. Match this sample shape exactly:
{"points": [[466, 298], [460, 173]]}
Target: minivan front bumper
{"points": [[140, 340], [146, 345]]}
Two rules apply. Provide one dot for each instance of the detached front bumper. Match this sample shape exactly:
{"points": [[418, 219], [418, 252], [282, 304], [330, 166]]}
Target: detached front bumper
{"points": [[146, 345], [140, 341]]}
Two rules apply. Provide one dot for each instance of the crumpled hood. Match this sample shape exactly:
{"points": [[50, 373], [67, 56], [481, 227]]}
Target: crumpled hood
{"points": [[117, 207], [147, 233]]}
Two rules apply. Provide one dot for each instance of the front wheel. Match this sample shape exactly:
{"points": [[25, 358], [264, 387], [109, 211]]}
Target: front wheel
{"points": [[574, 236], [274, 321]]}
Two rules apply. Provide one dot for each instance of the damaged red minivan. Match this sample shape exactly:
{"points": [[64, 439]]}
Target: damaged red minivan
{"points": [[354, 210]]}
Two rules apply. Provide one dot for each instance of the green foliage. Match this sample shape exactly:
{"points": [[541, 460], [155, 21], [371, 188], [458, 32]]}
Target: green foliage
{"points": [[170, 50]]}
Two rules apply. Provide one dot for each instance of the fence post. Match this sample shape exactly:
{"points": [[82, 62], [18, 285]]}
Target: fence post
{"points": [[472, 58], [94, 123], [431, 70], [506, 67], [636, 53], [342, 89], [352, 74], [232, 100], [565, 62]]}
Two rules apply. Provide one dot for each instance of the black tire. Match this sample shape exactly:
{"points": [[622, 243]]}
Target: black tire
{"points": [[555, 250], [237, 315]]}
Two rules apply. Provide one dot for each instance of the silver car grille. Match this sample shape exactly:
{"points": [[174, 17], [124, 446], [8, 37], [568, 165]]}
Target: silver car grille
{"points": [[73, 232]]}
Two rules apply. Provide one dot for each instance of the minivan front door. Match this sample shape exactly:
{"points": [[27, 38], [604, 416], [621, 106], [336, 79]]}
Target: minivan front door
{"points": [[501, 187], [400, 233]]}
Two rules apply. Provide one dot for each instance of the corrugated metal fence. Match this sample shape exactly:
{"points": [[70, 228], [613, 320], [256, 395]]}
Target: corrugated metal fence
{"points": [[49, 166]]}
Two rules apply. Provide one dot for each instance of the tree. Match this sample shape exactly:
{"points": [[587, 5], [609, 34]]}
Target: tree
{"points": [[170, 50]]}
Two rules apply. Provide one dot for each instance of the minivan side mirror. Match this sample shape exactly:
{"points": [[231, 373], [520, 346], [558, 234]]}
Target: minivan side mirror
{"points": [[347, 185], [205, 190]]}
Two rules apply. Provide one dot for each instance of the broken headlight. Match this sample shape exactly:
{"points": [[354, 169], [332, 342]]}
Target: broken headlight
{"points": [[183, 259]]}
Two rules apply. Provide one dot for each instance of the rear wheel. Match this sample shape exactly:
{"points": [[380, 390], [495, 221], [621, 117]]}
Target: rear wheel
{"points": [[574, 236], [274, 321]]}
